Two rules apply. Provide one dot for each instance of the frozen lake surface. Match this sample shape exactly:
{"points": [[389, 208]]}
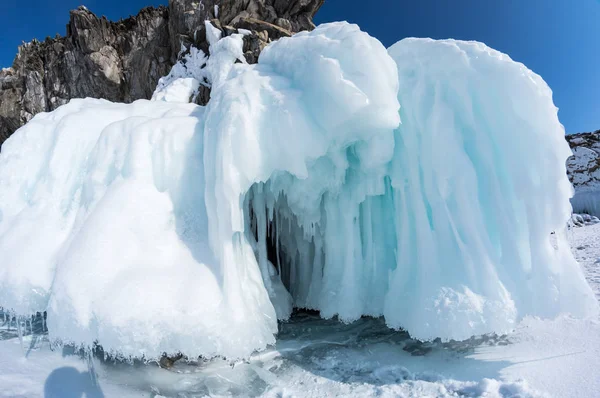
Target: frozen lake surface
{"points": [[316, 357]]}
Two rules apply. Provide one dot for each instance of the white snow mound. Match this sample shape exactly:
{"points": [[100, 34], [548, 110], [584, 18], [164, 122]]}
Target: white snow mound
{"points": [[162, 226]]}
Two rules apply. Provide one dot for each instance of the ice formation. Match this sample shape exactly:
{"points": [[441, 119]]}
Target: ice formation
{"points": [[582, 220], [587, 202], [162, 226]]}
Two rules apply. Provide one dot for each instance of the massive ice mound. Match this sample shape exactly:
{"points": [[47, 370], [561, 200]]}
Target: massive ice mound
{"points": [[480, 171], [104, 225], [163, 226]]}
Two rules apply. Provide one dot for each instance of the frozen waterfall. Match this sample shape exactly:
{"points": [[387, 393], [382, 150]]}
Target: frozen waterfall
{"points": [[420, 183]]}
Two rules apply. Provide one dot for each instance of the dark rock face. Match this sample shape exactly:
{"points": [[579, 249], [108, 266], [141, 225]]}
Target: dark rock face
{"points": [[123, 61], [118, 61], [187, 17], [266, 20]]}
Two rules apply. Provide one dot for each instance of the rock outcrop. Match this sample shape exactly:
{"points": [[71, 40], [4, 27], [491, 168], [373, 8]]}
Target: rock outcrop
{"points": [[276, 18], [123, 61], [118, 61], [583, 167]]}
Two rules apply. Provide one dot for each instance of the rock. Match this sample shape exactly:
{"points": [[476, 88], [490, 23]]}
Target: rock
{"points": [[189, 15], [583, 167], [167, 362], [229, 30], [253, 45], [97, 58], [273, 32], [278, 17], [123, 61], [11, 94], [284, 23]]}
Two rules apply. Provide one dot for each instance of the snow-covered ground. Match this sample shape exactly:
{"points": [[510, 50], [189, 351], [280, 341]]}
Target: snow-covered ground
{"points": [[585, 243], [314, 357]]}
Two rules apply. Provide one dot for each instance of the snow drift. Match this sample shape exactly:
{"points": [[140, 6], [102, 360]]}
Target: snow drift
{"points": [[163, 226]]}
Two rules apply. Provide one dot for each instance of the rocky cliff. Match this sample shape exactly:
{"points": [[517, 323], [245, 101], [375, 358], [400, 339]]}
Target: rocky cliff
{"points": [[583, 167], [122, 61]]}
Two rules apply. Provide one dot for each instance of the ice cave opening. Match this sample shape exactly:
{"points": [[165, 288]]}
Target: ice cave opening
{"points": [[277, 258], [289, 258], [292, 253]]}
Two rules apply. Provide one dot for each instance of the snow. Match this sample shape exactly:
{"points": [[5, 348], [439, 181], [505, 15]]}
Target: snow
{"points": [[313, 358], [579, 220], [195, 68], [213, 35], [586, 246], [182, 82], [585, 173], [179, 90], [163, 227], [583, 165]]}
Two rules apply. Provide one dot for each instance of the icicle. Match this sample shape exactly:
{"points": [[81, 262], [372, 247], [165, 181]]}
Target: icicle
{"points": [[366, 237], [261, 234], [294, 259], [91, 367], [277, 239], [20, 333]]}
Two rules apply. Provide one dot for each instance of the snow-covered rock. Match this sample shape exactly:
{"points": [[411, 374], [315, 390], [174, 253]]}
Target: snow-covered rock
{"points": [[584, 172], [581, 220], [584, 166], [123, 61], [162, 226]]}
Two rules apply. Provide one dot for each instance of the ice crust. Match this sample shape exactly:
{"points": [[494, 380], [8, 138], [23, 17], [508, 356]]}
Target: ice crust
{"points": [[150, 227], [586, 201]]}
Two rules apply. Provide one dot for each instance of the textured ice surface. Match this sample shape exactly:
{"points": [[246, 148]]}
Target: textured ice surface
{"points": [[109, 231], [161, 226], [587, 202], [481, 174], [312, 357]]}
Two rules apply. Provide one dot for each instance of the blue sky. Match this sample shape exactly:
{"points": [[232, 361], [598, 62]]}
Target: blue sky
{"points": [[559, 39]]}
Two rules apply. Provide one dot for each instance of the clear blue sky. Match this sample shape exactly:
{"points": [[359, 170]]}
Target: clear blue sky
{"points": [[559, 39]]}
